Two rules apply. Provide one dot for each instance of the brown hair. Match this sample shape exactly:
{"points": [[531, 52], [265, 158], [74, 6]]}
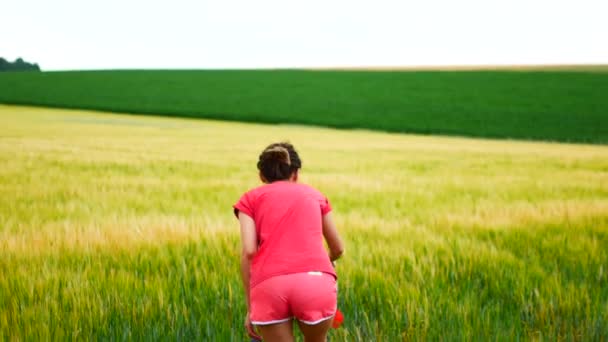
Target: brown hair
{"points": [[279, 161]]}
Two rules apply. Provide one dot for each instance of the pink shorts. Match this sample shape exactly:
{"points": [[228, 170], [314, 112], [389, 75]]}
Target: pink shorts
{"points": [[310, 297]]}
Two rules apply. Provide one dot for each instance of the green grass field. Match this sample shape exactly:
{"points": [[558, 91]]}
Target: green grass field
{"points": [[120, 227], [555, 105]]}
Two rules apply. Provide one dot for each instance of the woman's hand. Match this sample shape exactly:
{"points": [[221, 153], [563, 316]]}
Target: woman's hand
{"points": [[250, 329]]}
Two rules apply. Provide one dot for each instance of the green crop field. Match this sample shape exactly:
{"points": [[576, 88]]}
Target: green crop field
{"points": [[120, 227], [555, 105]]}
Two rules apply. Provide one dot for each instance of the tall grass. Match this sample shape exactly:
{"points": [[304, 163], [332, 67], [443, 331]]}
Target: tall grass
{"points": [[562, 105], [120, 227]]}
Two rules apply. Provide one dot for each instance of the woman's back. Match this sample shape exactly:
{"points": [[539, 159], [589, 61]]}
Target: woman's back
{"points": [[288, 220]]}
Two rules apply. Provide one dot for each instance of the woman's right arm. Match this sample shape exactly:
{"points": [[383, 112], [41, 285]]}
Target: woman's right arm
{"points": [[330, 233]]}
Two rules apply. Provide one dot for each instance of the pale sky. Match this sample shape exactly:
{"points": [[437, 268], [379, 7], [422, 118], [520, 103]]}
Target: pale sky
{"points": [[111, 34]]}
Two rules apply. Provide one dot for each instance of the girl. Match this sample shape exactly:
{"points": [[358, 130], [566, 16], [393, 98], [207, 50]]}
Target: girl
{"points": [[287, 273]]}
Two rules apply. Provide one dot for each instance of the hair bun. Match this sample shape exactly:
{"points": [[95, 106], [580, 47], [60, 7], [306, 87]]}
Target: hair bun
{"points": [[277, 153], [278, 161]]}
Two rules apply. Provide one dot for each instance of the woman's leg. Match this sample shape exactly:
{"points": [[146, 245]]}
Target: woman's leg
{"points": [[317, 332], [277, 332]]}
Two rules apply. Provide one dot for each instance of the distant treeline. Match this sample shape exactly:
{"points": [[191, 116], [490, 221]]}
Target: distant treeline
{"points": [[18, 65]]}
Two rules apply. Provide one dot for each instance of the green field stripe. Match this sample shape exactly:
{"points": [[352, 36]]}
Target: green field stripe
{"points": [[568, 106]]}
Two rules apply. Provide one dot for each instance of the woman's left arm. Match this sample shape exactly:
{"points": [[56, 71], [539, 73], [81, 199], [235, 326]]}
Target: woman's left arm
{"points": [[249, 247]]}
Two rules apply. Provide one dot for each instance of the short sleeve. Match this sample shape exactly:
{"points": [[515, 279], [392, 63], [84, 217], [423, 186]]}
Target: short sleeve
{"points": [[245, 205], [325, 206]]}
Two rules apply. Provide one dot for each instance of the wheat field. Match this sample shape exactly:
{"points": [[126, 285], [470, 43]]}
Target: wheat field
{"points": [[120, 227]]}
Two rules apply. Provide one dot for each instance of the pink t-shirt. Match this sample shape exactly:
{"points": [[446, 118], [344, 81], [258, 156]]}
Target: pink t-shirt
{"points": [[288, 223]]}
